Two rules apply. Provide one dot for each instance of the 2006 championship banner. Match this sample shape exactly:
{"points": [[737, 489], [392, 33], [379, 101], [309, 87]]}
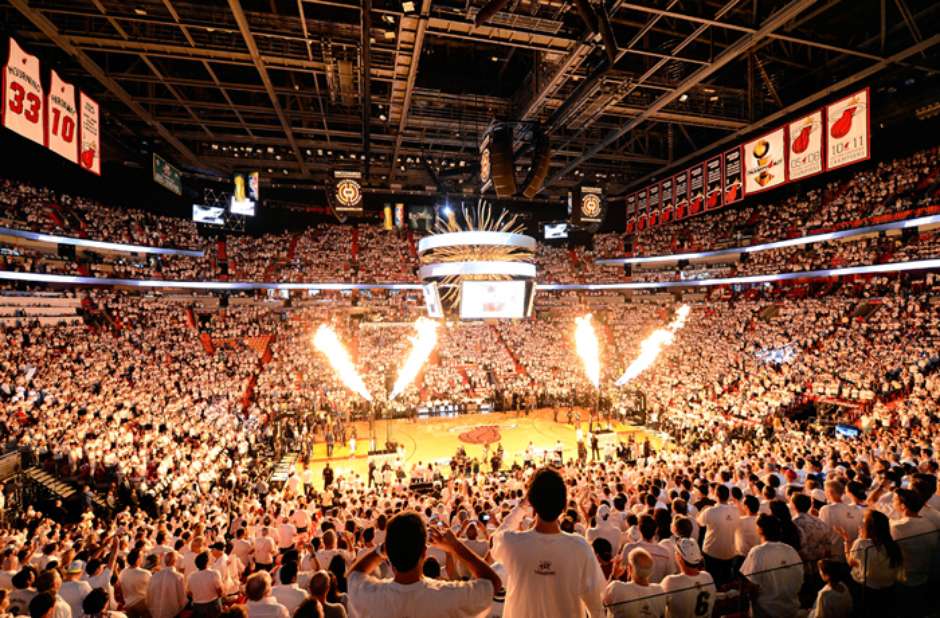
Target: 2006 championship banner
{"points": [[828, 138], [51, 118]]}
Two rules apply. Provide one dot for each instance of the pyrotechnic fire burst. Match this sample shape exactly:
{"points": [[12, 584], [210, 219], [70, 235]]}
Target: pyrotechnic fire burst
{"points": [[328, 343], [422, 344], [653, 345], [586, 343]]}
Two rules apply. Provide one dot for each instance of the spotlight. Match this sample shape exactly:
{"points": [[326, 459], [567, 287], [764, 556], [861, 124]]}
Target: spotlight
{"points": [[683, 97], [408, 6]]}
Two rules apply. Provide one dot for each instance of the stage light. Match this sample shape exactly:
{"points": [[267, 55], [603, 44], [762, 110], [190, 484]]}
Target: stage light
{"points": [[408, 6], [683, 97], [422, 344], [586, 344], [326, 341], [653, 345]]}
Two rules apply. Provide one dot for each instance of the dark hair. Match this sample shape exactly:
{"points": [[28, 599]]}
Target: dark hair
{"points": [[41, 604], [877, 528], [603, 549], [309, 608], [802, 503], [547, 494], [405, 541], [288, 572], [95, 601], [201, 560], [723, 493], [910, 499], [431, 568], [752, 504], [769, 527], [647, 527]]}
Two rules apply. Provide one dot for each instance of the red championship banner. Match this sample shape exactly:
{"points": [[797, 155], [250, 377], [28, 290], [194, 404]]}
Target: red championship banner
{"points": [[62, 119], [653, 193], [631, 225], [630, 210], [713, 183], [733, 181], [848, 132], [90, 135], [765, 162], [696, 189], [681, 193], [666, 198], [22, 95], [805, 154], [641, 206]]}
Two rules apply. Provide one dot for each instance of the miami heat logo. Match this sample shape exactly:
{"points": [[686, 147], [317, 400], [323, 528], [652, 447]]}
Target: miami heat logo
{"points": [[348, 192], [485, 165], [591, 205]]}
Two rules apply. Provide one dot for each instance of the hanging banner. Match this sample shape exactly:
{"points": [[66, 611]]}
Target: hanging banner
{"points": [[653, 217], [765, 162], [848, 130], [62, 119], [713, 183], [666, 198], [345, 196], [733, 189], [642, 203], [696, 189], [630, 204], [166, 175], [22, 95], [805, 153], [399, 215], [89, 136], [631, 225], [681, 194]]}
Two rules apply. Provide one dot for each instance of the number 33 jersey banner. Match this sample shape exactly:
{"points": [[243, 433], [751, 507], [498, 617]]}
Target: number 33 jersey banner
{"points": [[22, 95], [62, 123]]}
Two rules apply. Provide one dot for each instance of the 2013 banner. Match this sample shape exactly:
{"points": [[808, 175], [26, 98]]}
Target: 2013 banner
{"points": [[681, 191], [733, 185], [805, 151], [848, 134], [89, 152], [62, 119], [23, 98], [765, 162]]}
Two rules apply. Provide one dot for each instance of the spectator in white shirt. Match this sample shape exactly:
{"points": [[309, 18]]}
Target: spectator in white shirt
{"points": [[720, 522], [549, 573], [409, 594], [745, 535], [834, 599], [319, 587], [166, 593], [918, 540], [205, 588], [287, 593], [663, 563], [73, 590], [265, 550], [637, 598], [773, 572], [50, 581], [691, 592], [260, 602]]}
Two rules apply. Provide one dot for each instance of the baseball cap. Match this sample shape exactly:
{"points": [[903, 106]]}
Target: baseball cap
{"points": [[603, 512], [818, 495], [691, 554], [77, 566]]}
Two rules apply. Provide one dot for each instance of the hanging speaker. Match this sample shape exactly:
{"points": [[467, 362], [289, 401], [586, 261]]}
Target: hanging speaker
{"points": [[541, 159], [497, 157]]}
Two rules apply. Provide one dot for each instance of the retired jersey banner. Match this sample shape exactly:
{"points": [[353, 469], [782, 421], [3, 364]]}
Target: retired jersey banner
{"points": [[848, 133], [653, 210], [765, 162], [89, 152], [733, 187], [666, 199], [630, 204], [22, 95], [805, 155], [681, 193], [696, 189], [62, 119], [641, 207], [713, 182]]}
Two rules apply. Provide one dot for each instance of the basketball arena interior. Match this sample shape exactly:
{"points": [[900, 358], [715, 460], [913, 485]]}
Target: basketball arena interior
{"points": [[469, 308]]}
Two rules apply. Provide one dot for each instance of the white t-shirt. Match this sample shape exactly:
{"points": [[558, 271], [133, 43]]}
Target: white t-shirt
{"points": [[548, 574], [664, 562], [688, 595], [134, 582], [265, 550], [720, 521], [630, 600], [745, 536], [428, 598], [204, 585], [766, 566], [73, 593], [841, 515], [917, 543]]}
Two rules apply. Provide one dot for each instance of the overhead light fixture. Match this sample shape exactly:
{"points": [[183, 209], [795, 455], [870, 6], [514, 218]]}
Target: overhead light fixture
{"points": [[140, 12], [408, 6], [713, 99], [683, 97], [383, 117]]}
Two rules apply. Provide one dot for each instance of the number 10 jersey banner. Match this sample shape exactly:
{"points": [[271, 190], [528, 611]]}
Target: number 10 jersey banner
{"points": [[50, 118]]}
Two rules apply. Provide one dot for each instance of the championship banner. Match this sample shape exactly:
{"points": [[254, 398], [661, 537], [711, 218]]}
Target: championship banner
{"points": [[805, 153], [681, 194], [666, 198], [166, 175], [399, 215], [733, 188], [89, 136], [345, 196], [848, 131], [589, 206], [765, 162], [631, 225], [388, 224], [630, 204], [641, 207], [713, 183], [62, 119], [653, 209], [22, 95], [696, 189]]}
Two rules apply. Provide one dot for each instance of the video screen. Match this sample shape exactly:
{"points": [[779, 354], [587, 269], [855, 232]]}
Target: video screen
{"points": [[483, 300], [555, 231], [432, 301], [847, 432], [210, 215], [244, 207]]}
